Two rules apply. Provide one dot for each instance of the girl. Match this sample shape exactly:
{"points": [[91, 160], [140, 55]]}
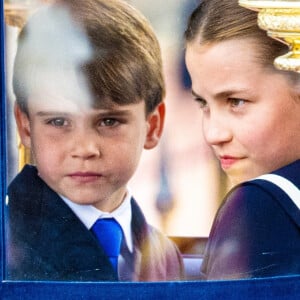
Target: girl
{"points": [[251, 120]]}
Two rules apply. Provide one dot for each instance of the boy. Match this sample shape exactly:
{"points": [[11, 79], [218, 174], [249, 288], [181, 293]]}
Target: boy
{"points": [[89, 88]]}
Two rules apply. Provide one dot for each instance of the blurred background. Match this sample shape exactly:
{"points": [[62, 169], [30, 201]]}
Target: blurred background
{"points": [[178, 184]]}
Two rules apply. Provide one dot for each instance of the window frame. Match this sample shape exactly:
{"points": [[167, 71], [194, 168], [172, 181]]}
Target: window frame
{"points": [[278, 288]]}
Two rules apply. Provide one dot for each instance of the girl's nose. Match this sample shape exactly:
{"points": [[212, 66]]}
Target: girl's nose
{"points": [[216, 131]]}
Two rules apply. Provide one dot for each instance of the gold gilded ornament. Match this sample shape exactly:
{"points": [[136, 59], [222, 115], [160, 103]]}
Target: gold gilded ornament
{"points": [[281, 20]]}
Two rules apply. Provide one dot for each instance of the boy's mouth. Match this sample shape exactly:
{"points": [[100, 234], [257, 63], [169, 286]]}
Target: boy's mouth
{"points": [[85, 176]]}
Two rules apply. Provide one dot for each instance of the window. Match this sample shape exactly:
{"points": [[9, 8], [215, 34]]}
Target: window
{"points": [[286, 288]]}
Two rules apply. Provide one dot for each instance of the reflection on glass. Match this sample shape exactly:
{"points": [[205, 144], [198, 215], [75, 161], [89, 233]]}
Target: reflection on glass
{"points": [[188, 173], [89, 87], [16, 14]]}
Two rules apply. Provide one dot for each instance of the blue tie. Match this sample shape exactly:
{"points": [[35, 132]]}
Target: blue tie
{"points": [[109, 234]]}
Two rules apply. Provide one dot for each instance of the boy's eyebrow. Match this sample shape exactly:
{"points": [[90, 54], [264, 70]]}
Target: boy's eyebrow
{"points": [[115, 112], [50, 113], [104, 112]]}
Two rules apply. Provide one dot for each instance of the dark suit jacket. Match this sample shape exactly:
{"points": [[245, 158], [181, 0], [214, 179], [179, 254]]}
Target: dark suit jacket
{"points": [[256, 232], [46, 241]]}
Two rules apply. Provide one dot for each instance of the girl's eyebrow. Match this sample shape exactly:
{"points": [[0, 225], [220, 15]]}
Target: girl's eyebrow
{"points": [[195, 94], [221, 95], [197, 97], [217, 95]]}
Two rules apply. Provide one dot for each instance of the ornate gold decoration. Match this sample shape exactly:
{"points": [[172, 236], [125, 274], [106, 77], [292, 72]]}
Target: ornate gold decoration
{"points": [[281, 20]]}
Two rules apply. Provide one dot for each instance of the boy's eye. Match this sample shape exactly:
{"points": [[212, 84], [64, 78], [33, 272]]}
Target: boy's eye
{"points": [[108, 122], [58, 122]]}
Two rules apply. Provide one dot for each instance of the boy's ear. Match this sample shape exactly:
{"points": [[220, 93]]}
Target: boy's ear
{"points": [[23, 125], [155, 122]]}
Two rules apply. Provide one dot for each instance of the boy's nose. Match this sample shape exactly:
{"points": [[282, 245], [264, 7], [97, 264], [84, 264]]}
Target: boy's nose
{"points": [[86, 146], [216, 131]]}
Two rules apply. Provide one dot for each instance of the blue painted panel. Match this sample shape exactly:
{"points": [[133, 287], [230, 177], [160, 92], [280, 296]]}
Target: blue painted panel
{"points": [[268, 289], [2, 137]]}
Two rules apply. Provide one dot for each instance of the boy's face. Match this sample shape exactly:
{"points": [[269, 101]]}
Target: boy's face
{"points": [[85, 154]]}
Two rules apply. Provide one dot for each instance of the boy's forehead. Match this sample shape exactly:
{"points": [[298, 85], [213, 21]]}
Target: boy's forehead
{"points": [[55, 102], [61, 90]]}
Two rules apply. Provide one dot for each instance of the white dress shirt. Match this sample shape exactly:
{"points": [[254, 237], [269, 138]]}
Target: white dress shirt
{"points": [[89, 214]]}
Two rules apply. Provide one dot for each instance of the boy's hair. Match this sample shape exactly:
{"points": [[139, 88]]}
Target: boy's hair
{"points": [[121, 61]]}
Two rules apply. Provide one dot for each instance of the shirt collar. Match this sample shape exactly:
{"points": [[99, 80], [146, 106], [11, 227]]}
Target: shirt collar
{"points": [[89, 214]]}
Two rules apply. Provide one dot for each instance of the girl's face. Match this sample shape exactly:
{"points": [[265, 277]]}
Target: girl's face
{"points": [[251, 115]]}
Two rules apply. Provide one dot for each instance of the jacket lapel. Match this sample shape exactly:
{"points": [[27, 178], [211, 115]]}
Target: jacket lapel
{"points": [[70, 245], [56, 242]]}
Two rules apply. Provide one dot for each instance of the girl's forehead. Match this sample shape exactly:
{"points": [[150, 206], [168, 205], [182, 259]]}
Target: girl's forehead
{"points": [[238, 50], [232, 68], [221, 64]]}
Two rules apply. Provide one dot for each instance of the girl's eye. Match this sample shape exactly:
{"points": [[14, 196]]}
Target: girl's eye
{"points": [[234, 102], [109, 122], [202, 102], [58, 122]]}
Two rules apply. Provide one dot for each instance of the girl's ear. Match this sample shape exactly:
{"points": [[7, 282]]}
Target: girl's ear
{"points": [[155, 122], [23, 126]]}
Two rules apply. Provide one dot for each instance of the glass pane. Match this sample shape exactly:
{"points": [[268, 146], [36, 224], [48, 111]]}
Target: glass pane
{"points": [[175, 183], [178, 185]]}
